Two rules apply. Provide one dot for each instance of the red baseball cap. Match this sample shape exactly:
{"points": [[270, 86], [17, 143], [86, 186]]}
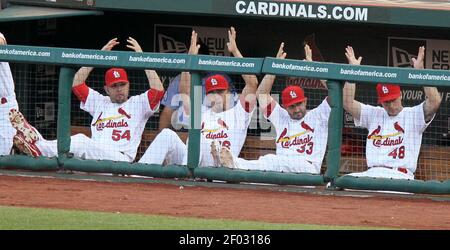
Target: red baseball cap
{"points": [[292, 95], [388, 92], [216, 82], [115, 75]]}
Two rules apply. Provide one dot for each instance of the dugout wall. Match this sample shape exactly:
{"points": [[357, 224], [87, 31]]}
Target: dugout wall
{"points": [[333, 72], [375, 47]]}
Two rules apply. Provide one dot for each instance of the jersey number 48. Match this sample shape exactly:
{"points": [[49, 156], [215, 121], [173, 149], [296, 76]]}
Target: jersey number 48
{"points": [[398, 152]]}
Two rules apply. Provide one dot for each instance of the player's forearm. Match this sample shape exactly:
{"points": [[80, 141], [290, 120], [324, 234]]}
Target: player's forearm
{"points": [[165, 119], [154, 80], [251, 83], [185, 91], [350, 104], [264, 89], [266, 85], [81, 75], [236, 53], [250, 80], [349, 94], [185, 84], [433, 97]]}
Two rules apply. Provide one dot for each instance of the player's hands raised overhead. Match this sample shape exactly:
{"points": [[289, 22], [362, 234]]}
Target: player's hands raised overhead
{"points": [[418, 62], [231, 44], [133, 44], [113, 42], [281, 54], [308, 53], [194, 47], [350, 54]]}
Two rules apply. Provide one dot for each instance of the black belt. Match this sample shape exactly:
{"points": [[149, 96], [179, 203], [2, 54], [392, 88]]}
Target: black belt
{"points": [[3, 100]]}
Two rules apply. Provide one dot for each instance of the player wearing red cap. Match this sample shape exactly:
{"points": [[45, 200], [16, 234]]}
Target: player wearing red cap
{"points": [[301, 135], [395, 132], [224, 123], [118, 121]]}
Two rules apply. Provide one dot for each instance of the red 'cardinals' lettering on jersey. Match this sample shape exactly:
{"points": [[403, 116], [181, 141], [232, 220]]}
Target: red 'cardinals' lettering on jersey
{"points": [[393, 141], [389, 139], [216, 133], [111, 122], [303, 138], [228, 128], [119, 126], [296, 139]]}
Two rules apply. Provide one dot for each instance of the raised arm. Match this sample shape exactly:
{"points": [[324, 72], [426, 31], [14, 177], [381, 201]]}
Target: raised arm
{"points": [[433, 99], [350, 104], [185, 80], [251, 82], [309, 58], [153, 78], [264, 89], [83, 73]]}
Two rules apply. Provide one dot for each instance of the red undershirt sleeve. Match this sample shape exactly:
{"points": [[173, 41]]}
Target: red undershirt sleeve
{"points": [[154, 97], [81, 92]]}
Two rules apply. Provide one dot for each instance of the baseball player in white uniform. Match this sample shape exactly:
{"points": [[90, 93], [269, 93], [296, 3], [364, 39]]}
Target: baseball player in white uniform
{"points": [[7, 102], [301, 135], [395, 132], [118, 121], [224, 124]]}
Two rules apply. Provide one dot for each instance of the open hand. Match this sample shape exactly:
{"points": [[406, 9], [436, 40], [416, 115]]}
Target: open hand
{"points": [[108, 47], [418, 62], [133, 44], [350, 54]]}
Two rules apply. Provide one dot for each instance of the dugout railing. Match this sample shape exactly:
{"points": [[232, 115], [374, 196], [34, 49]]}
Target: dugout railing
{"points": [[336, 74]]}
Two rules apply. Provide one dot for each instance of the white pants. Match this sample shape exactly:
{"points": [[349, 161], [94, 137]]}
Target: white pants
{"points": [[279, 163], [5, 145], [167, 148], [380, 172], [7, 132], [82, 147]]}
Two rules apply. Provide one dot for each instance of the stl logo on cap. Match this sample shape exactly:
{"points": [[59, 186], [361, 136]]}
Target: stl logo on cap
{"points": [[116, 74], [293, 95], [216, 82], [388, 92]]}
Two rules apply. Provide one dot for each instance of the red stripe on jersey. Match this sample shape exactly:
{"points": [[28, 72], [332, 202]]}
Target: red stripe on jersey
{"points": [[248, 105], [81, 92], [269, 108], [154, 97]]}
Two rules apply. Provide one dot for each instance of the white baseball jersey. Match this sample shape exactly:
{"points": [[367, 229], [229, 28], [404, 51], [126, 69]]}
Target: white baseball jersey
{"points": [[118, 126], [306, 137], [229, 128], [393, 141], [7, 102]]}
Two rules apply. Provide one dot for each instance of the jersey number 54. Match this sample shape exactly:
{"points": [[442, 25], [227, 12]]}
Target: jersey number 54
{"points": [[117, 135]]}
